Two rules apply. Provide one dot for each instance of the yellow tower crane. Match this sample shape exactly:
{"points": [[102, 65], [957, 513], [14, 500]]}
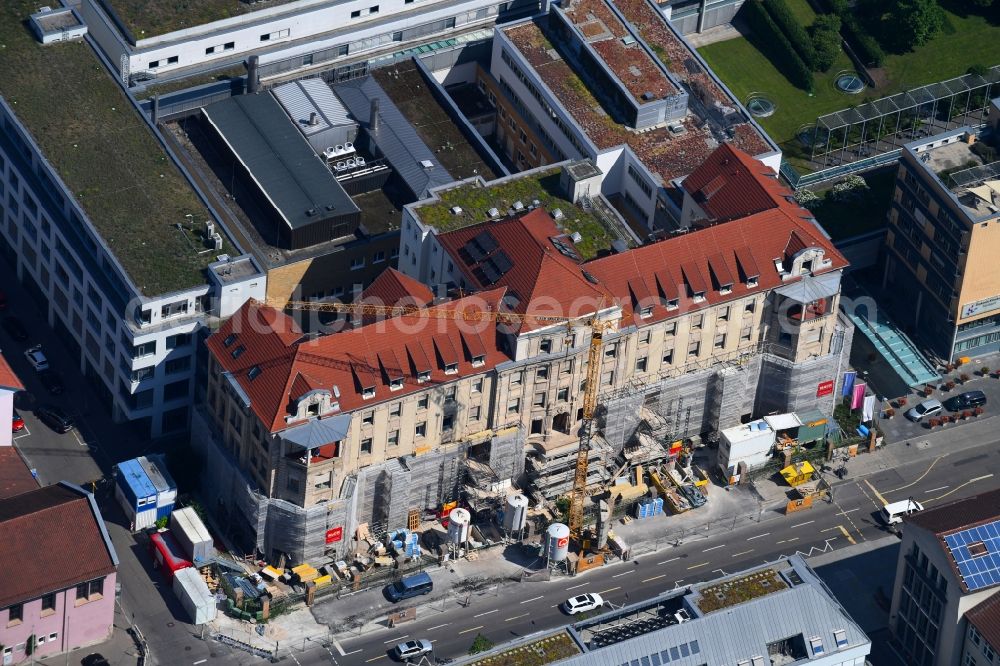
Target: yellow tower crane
{"points": [[598, 327]]}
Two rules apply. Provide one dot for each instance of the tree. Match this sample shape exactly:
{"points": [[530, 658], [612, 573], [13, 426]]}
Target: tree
{"points": [[480, 644], [978, 69], [826, 40], [915, 22]]}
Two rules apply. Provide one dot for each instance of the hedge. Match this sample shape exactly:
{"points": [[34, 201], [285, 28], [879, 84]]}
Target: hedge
{"points": [[767, 37], [867, 46], [793, 31]]}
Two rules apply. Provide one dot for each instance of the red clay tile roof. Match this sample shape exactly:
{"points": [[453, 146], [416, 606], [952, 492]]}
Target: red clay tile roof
{"points": [[50, 539], [731, 184], [394, 288], [15, 477], [355, 359], [986, 619], [540, 275], [8, 380]]}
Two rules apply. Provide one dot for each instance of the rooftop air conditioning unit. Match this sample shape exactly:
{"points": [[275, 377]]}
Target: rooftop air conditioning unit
{"points": [[493, 212], [209, 228], [557, 214], [217, 240], [518, 205], [536, 203], [576, 237], [456, 210]]}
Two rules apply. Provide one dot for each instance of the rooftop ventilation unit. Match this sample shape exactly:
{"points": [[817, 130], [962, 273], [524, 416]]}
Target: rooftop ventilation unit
{"points": [[427, 164], [493, 212], [576, 237], [217, 241], [518, 205], [557, 214], [456, 210], [359, 160]]}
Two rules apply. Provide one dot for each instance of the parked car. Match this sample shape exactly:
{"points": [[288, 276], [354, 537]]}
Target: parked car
{"points": [[14, 328], [926, 408], [52, 382], [412, 649], [583, 603], [681, 616], [967, 400], [894, 512], [411, 586], [95, 659], [18, 424], [54, 418], [36, 358]]}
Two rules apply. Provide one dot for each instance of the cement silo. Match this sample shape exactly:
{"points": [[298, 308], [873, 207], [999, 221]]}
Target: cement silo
{"points": [[515, 514], [557, 542], [458, 526]]}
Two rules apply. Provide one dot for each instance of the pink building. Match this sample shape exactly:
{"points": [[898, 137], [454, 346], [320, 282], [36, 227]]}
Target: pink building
{"points": [[9, 385], [57, 585]]}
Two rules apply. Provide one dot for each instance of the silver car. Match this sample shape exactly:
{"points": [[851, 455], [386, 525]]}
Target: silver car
{"points": [[926, 408], [412, 649]]}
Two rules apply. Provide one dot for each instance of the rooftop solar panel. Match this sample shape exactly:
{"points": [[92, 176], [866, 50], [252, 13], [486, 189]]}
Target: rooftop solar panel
{"points": [[473, 250], [485, 241], [501, 262], [977, 570]]}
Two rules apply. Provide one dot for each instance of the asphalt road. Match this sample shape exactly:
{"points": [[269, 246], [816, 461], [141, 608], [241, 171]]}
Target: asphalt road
{"points": [[520, 609]]}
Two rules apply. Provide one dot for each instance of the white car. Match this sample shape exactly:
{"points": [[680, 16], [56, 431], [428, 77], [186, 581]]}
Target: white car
{"points": [[583, 603], [926, 408], [411, 649], [36, 358]]}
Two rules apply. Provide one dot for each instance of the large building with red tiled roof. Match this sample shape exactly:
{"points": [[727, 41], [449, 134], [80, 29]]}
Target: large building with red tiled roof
{"points": [[378, 423]]}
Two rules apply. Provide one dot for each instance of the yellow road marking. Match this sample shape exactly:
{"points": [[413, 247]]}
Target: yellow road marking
{"points": [[473, 629], [653, 578], [846, 534], [918, 479], [703, 564], [978, 478], [381, 656]]}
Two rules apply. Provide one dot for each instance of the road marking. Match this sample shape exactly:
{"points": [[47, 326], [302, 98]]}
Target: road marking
{"points": [[721, 545], [844, 513], [808, 522], [438, 626], [576, 586], [653, 578], [77, 438], [495, 610], [200, 661], [610, 589], [473, 629], [340, 648], [672, 559], [398, 638], [759, 536], [743, 553], [703, 564], [517, 616], [934, 490], [960, 486], [381, 656], [847, 534], [830, 529], [786, 540], [624, 573], [877, 493], [532, 599], [918, 479]]}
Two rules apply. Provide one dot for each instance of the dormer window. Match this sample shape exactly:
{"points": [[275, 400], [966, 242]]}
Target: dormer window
{"points": [[396, 384], [451, 368], [423, 377], [779, 266], [236, 353], [230, 339], [254, 373], [646, 312], [698, 296], [672, 303], [367, 392], [478, 361], [752, 281], [726, 288]]}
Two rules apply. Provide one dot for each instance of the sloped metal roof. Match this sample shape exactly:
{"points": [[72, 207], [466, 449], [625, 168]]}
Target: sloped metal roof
{"points": [[395, 136], [302, 98]]}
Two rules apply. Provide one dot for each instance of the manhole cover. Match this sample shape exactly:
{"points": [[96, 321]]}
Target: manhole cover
{"points": [[187, 648], [170, 624], [850, 83], [760, 106]]}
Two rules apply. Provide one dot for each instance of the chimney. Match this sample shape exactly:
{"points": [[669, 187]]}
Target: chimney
{"points": [[373, 116], [313, 119], [253, 78]]}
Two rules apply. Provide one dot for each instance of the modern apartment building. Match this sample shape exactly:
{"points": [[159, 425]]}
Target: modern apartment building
{"points": [[59, 592], [949, 565], [792, 617], [105, 231], [940, 274], [173, 38], [307, 437], [617, 84]]}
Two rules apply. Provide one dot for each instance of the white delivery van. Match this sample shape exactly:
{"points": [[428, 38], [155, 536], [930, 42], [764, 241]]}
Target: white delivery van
{"points": [[894, 512]]}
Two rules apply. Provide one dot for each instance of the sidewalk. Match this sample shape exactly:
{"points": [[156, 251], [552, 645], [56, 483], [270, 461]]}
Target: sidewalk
{"points": [[119, 650]]}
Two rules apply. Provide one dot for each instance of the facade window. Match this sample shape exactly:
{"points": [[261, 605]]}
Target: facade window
{"points": [[539, 400], [366, 446], [840, 636], [749, 307], [611, 350], [393, 439], [514, 406], [817, 645], [720, 340], [355, 14], [477, 385], [49, 602], [423, 402], [694, 348], [474, 413], [15, 614], [563, 395], [668, 356], [357, 263], [90, 591], [644, 337], [378, 257], [566, 368], [395, 409], [542, 372], [398, 35], [368, 418], [451, 368], [516, 377], [697, 321], [182, 364], [724, 313], [277, 34], [670, 329], [421, 429], [640, 364], [545, 346]]}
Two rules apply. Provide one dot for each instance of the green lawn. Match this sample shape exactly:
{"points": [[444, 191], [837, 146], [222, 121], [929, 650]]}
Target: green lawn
{"points": [[965, 42], [802, 12]]}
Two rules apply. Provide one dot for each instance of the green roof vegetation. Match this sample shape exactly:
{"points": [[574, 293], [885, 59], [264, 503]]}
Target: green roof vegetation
{"points": [[475, 200], [546, 650], [104, 153], [150, 18], [850, 216], [739, 590]]}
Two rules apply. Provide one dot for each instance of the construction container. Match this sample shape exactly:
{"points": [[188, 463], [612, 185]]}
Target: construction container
{"points": [[515, 515], [191, 534], [458, 526], [557, 542], [167, 554], [136, 494], [192, 591], [166, 489], [798, 473]]}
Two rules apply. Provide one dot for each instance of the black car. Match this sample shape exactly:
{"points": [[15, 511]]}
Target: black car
{"points": [[54, 418], [967, 400], [52, 382], [15, 328], [95, 659]]}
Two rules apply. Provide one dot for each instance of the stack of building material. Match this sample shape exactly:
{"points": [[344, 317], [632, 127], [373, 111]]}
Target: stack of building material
{"points": [[649, 507]]}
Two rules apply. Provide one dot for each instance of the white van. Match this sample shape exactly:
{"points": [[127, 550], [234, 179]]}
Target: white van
{"points": [[893, 513]]}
